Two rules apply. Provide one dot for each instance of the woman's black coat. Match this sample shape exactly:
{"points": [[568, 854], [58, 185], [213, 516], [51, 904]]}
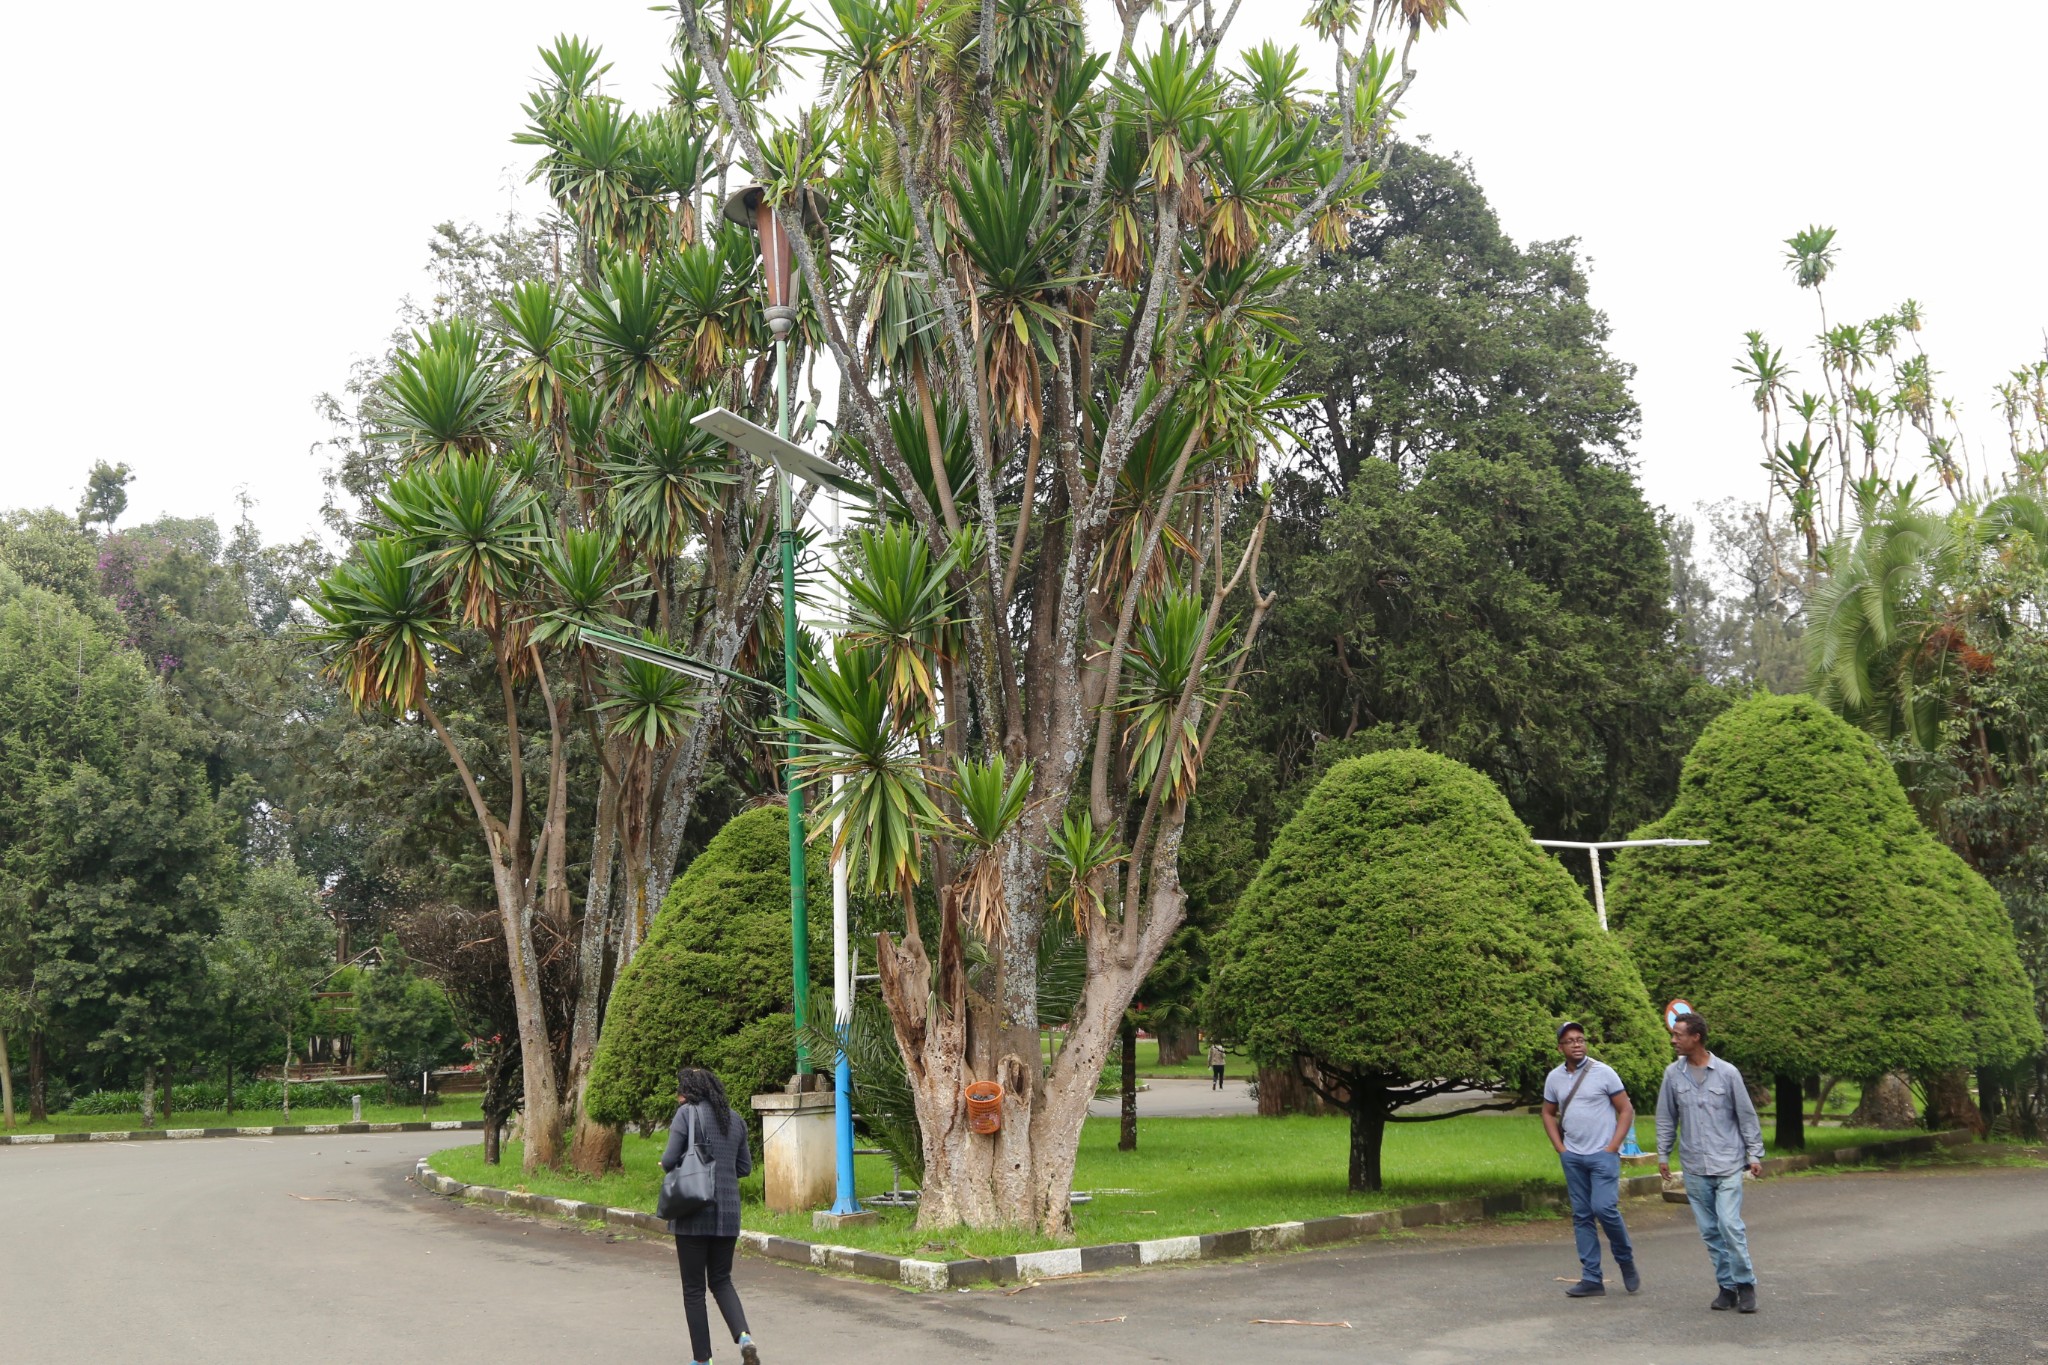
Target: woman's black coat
{"points": [[728, 1153]]}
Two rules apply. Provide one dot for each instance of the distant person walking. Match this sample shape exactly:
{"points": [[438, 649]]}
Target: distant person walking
{"points": [[1705, 1104], [705, 1239], [1215, 1066], [1588, 1115]]}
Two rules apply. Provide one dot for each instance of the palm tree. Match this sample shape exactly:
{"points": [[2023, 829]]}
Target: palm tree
{"points": [[1047, 279], [459, 555], [545, 476], [1890, 630]]}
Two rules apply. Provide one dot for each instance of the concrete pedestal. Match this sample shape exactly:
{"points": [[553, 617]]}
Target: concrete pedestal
{"points": [[799, 1152], [823, 1221]]}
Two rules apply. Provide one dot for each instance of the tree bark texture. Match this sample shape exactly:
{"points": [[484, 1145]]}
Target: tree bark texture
{"points": [[1990, 1097], [1176, 1045], [593, 1150], [1887, 1102], [543, 1091], [1949, 1104], [1368, 1137], [38, 1079], [149, 1097], [502, 1075], [6, 1083], [1022, 1175], [1283, 1090], [1791, 1098], [1127, 1133]]}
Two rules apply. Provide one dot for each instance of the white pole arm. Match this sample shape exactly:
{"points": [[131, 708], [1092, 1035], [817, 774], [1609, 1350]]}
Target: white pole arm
{"points": [[1624, 843], [1592, 850]]}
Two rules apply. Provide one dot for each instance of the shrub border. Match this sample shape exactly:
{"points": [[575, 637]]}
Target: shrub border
{"points": [[275, 1130], [1063, 1261]]}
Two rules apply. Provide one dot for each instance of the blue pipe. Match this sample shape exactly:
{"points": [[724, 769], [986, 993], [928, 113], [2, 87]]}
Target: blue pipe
{"points": [[842, 1114]]}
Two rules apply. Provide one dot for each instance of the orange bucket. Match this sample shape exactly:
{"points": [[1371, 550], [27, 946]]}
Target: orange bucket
{"points": [[984, 1107]]}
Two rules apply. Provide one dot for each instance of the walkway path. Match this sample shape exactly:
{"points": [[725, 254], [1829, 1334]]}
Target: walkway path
{"points": [[316, 1248], [1184, 1097], [1178, 1098]]}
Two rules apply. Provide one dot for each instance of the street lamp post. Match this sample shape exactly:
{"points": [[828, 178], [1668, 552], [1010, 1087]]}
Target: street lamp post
{"points": [[750, 208]]}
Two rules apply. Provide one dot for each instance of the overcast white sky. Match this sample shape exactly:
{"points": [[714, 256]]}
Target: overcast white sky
{"points": [[216, 207]]}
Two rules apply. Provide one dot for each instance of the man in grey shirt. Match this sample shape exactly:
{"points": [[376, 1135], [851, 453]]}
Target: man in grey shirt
{"points": [[1705, 1106], [1588, 1115]]}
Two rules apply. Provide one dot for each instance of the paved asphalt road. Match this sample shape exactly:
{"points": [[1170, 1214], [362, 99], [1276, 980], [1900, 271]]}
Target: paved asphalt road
{"points": [[318, 1248]]}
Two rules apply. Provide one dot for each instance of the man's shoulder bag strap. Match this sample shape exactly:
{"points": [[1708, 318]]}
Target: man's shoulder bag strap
{"points": [[1585, 1070]]}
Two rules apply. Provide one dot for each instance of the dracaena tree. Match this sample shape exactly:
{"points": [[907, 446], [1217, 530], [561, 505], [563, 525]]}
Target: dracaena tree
{"points": [[1044, 278], [542, 474], [1879, 409]]}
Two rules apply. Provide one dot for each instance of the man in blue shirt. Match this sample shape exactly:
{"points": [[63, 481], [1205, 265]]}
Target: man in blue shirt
{"points": [[1705, 1102], [1588, 1114]]}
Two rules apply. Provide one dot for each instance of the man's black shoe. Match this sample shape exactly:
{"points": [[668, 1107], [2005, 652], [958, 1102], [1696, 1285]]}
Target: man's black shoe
{"points": [[1724, 1299], [1629, 1279], [1586, 1289], [1745, 1298]]}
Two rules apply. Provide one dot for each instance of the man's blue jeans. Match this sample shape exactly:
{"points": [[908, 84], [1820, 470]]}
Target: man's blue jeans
{"points": [[1594, 1183], [1717, 1208]]}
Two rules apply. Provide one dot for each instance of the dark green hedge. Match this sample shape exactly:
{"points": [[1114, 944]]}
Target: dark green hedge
{"points": [[1404, 926], [711, 985], [1825, 930]]}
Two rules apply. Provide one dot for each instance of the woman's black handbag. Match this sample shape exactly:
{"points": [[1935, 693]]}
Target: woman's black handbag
{"points": [[693, 1185]]}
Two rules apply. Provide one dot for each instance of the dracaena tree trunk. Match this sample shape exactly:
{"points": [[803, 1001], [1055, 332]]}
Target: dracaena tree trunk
{"points": [[640, 829], [544, 1118], [1046, 298], [595, 1148]]}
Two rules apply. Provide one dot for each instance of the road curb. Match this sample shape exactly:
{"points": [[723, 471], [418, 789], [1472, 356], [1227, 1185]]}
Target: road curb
{"points": [[1065, 1261], [274, 1130]]}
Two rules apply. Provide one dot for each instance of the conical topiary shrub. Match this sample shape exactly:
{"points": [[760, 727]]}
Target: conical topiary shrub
{"points": [[1824, 930], [1405, 937], [711, 985]]}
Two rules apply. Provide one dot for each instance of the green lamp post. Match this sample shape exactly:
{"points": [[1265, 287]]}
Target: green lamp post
{"points": [[750, 207]]}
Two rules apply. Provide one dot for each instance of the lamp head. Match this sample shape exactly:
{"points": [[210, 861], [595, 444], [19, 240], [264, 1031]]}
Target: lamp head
{"points": [[750, 207]]}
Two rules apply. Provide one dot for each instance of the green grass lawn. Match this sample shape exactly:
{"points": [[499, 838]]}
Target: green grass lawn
{"points": [[452, 1107], [1187, 1176]]}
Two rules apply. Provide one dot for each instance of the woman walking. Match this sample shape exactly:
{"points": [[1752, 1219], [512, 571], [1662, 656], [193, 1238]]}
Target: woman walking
{"points": [[705, 1239]]}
